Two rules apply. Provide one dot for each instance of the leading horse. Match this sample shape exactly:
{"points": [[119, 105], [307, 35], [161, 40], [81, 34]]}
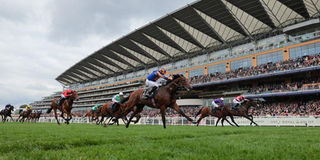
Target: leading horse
{"points": [[66, 107], [165, 97]]}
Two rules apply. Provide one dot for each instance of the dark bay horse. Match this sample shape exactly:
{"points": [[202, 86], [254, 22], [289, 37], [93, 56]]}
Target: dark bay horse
{"points": [[165, 97], [6, 113], [220, 114], [243, 110], [66, 107], [23, 115]]}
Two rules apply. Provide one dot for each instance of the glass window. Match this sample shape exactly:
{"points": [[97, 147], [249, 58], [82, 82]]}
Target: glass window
{"points": [[270, 57], [217, 68], [317, 47], [181, 64], [196, 72], [310, 49], [242, 63]]}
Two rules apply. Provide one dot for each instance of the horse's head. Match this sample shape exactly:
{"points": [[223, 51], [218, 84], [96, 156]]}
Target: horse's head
{"points": [[181, 81], [74, 95], [11, 108], [252, 103]]}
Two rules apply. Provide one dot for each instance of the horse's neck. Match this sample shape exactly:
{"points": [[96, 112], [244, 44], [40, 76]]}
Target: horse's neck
{"points": [[70, 102], [172, 87]]}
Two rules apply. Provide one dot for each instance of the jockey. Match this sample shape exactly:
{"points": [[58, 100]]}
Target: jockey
{"points": [[7, 106], [65, 95], [238, 101], [28, 107], [151, 83], [217, 103], [94, 108], [116, 102]]}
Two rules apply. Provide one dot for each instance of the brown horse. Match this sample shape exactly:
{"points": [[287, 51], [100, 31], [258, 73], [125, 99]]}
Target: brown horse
{"points": [[243, 110], [35, 116], [165, 97], [23, 115], [66, 107], [89, 115], [106, 111], [206, 111]]}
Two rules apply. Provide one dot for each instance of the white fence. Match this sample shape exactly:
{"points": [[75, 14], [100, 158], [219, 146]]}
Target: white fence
{"points": [[210, 121]]}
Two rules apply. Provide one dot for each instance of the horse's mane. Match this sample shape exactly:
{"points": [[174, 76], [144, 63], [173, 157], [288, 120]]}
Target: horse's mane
{"points": [[175, 76]]}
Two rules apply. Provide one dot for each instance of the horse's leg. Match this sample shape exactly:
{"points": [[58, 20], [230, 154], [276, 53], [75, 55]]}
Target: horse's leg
{"points": [[199, 120], [222, 122], [108, 121], [4, 119], [163, 115], [218, 121], [135, 112], [70, 117], [101, 120], [104, 122], [246, 116], [233, 121], [124, 121], [251, 117], [117, 120], [228, 121], [176, 108], [55, 115], [138, 118]]}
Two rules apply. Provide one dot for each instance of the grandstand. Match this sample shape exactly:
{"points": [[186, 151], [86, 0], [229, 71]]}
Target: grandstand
{"points": [[260, 48]]}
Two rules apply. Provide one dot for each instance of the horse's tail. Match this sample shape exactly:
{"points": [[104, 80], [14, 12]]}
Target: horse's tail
{"points": [[125, 99], [49, 110], [20, 111], [198, 113]]}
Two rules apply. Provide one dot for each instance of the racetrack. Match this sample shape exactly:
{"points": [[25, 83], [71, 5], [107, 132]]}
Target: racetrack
{"points": [[85, 141]]}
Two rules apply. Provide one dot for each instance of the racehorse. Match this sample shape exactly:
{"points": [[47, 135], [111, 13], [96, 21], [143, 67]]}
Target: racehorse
{"points": [[23, 115], [106, 111], [89, 115], [66, 107], [165, 97], [6, 113], [35, 116], [243, 110], [206, 111]]}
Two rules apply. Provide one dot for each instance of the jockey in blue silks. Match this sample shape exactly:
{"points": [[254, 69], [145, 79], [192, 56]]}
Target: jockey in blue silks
{"points": [[151, 81]]}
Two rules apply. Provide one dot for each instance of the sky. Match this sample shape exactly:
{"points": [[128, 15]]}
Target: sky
{"points": [[40, 39]]}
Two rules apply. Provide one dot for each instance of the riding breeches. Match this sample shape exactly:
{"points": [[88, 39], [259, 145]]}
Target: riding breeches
{"points": [[150, 84], [215, 105]]}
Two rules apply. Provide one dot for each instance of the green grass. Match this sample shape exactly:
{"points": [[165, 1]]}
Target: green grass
{"points": [[84, 141]]}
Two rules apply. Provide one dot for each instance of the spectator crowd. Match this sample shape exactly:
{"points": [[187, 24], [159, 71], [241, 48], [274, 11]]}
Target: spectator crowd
{"points": [[270, 67]]}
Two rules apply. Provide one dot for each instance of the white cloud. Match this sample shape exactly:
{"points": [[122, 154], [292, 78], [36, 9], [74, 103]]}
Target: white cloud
{"points": [[40, 39]]}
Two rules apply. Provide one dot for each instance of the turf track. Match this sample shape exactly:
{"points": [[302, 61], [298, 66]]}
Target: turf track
{"points": [[84, 141]]}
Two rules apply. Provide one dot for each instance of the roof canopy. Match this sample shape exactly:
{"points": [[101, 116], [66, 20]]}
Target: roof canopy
{"points": [[195, 27]]}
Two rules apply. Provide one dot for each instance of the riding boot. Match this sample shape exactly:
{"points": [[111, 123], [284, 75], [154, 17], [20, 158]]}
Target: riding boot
{"points": [[151, 92], [235, 107], [61, 100]]}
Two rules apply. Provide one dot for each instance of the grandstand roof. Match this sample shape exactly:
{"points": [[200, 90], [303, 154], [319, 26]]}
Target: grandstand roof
{"points": [[194, 28]]}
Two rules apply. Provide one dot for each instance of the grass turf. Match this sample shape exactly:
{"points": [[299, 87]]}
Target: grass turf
{"points": [[84, 141]]}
